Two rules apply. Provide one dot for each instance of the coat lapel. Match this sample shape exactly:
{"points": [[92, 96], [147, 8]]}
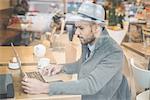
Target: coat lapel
{"points": [[100, 41], [91, 55]]}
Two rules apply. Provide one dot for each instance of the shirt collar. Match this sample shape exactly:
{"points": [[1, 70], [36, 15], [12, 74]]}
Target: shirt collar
{"points": [[91, 47]]}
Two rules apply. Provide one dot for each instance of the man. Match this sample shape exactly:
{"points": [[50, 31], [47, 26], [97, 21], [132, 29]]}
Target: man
{"points": [[99, 69]]}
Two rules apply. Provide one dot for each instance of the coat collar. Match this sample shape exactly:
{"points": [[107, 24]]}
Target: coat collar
{"points": [[99, 43], [102, 39]]}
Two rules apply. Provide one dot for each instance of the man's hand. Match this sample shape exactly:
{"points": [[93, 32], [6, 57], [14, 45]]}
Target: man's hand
{"points": [[34, 86], [51, 70]]}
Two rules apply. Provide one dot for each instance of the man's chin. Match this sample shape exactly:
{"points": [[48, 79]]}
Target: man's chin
{"points": [[84, 43]]}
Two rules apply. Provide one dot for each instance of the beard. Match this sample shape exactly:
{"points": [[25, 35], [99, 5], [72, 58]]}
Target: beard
{"points": [[86, 40]]}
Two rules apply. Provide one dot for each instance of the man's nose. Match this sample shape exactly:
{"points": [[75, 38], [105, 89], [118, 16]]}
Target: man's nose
{"points": [[77, 32]]}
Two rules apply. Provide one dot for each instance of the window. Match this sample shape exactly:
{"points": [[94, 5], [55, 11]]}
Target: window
{"points": [[46, 6]]}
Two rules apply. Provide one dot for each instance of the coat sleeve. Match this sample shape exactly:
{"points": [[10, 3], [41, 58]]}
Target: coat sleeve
{"points": [[95, 81], [72, 68]]}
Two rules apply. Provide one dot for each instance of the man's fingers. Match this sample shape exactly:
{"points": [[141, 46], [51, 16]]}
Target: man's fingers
{"points": [[50, 70], [25, 75], [44, 71], [54, 72], [25, 83], [27, 91], [25, 88], [40, 70], [25, 79]]}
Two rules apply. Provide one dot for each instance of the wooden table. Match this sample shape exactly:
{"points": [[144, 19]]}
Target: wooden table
{"points": [[20, 95], [26, 55], [139, 48]]}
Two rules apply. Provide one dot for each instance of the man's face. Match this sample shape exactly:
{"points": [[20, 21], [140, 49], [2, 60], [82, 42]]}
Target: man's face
{"points": [[85, 32]]}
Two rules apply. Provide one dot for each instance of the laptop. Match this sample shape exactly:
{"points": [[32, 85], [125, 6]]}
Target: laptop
{"points": [[36, 74]]}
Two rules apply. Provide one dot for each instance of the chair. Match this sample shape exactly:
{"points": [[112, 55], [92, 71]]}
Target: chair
{"points": [[142, 78], [146, 36], [119, 35], [127, 72], [70, 53], [57, 26]]}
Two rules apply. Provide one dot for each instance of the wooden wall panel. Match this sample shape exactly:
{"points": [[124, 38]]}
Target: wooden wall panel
{"points": [[4, 4]]}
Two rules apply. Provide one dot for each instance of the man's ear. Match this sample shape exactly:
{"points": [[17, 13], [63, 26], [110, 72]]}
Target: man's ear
{"points": [[96, 28], [93, 28]]}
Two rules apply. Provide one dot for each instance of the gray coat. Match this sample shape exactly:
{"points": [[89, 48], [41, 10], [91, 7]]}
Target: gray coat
{"points": [[99, 76]]}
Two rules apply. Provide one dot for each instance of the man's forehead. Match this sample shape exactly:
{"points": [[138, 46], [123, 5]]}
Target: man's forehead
{"points": [[79, 23]]}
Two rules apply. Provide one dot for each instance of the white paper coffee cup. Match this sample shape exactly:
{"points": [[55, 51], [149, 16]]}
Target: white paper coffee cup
{"points": [[43, 62]]}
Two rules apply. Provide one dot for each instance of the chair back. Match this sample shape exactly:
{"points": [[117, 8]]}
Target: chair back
{"points": [[146, 36], [70, 53], [126, 68], [127, 72], [142, 76]]}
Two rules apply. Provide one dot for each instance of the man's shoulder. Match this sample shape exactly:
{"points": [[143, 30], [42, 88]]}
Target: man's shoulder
{"points": [[107, 43]]}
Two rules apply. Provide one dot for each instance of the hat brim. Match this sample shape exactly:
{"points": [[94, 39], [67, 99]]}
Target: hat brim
{"points": [[81, 17]]}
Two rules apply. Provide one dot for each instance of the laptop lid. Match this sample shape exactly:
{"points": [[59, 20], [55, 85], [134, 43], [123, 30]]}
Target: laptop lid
{"points": [[16, 55], [19, 64]]}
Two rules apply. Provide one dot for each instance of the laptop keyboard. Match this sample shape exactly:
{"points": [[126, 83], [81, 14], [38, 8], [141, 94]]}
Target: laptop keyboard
{"points": [[35, 75]]}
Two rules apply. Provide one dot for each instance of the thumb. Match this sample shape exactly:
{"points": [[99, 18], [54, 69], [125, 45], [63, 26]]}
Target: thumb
{"points": [[24, 75]]}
